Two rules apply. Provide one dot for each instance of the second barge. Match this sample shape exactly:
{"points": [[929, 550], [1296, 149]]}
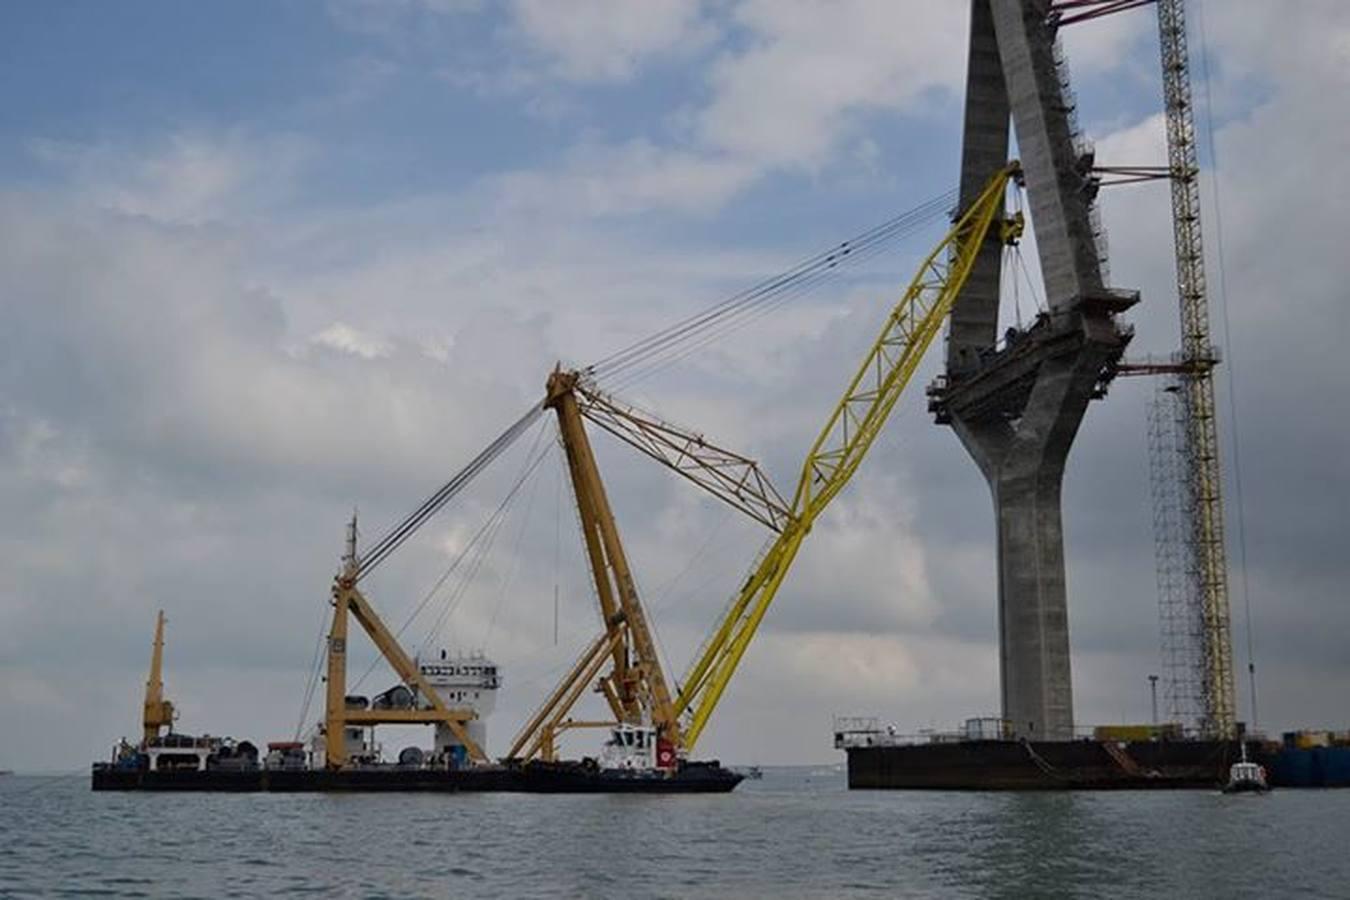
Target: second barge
{"points": [[981, 759]]}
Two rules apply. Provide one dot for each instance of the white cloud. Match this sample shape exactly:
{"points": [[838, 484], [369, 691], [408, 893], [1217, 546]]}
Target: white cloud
{"points": [[190, 178], [343, 337], [811, 70], [629, 179], [608, 40]]}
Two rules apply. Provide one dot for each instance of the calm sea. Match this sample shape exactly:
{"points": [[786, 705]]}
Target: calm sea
{"points": [[796, 833]]}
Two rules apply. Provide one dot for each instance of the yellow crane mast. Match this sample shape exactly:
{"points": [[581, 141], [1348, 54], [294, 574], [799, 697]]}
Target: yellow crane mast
{"points": [[158, 712]]}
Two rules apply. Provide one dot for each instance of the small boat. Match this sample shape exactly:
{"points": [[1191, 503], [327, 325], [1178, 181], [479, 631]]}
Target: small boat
{"points": [[1246, 777]]}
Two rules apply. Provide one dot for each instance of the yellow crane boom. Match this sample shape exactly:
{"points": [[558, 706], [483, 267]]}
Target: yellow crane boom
{"points": [[839, 449]]}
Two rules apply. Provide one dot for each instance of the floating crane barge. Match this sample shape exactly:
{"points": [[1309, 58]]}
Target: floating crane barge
{"points": [[653, 722]]}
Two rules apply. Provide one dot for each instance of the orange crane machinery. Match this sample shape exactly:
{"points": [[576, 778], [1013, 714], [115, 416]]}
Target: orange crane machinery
{"points": [[635, 686], [158, 712]]}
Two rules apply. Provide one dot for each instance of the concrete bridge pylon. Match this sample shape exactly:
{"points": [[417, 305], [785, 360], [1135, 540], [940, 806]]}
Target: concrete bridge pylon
{"points": [[1016, 403]]}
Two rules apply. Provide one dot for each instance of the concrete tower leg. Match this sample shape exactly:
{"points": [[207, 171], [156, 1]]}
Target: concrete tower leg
{"points": [[1017, 408], [1024, 467]]}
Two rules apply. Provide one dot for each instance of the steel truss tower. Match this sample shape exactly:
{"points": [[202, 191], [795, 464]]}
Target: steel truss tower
{"points": [[1202, 525]]}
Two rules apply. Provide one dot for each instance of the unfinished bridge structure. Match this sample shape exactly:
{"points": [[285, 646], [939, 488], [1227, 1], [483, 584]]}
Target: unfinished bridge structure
{"points": [[1016, 400]]}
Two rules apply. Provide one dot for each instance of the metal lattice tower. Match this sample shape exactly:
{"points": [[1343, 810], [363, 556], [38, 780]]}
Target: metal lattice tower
{"points": [[1200, 479]]}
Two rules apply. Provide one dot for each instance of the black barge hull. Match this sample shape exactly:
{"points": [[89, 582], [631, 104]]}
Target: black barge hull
{"points": [[1047, 765], [536, 778]]}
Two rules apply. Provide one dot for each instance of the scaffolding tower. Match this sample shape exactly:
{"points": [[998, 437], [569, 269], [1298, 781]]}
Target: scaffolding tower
{"points": [[1180, 624]]}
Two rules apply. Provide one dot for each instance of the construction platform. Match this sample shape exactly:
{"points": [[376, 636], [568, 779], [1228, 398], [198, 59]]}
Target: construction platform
{"points": [[1115, 758], [1019, 765]]}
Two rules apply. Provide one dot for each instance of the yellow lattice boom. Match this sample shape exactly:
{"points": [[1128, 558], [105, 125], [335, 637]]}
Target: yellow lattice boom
{"points": [[909, 331]]}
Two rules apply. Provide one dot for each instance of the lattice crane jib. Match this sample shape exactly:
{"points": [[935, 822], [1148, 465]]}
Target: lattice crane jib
{"points": [[910, 330]]}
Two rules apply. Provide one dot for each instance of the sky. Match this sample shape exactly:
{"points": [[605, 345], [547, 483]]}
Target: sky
{"points": [[266, 263]]}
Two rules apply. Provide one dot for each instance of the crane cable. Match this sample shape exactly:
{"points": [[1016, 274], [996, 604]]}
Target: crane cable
{"points": [[533, 458], [766, 292], [650, 355], [477, 545], [736, 322], [433, 504], [1222, 296], [673, 343], [751, 305], [490, 524]]}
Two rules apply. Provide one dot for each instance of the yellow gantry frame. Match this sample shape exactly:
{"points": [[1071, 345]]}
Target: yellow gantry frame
{"points": [[347, 599], [636, 684], [909, 331]]}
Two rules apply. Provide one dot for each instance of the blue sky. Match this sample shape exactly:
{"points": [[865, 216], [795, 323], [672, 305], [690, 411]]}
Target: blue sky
{"points": [[262, 262]]}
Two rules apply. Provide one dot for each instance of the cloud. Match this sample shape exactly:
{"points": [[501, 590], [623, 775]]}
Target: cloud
{"points": [[608, 40], [630, 179], [343, 337], [188, 178], [811, 71]]}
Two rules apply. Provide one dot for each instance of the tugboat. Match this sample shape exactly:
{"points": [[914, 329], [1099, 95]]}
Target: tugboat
{"points": [[1245, 777]]}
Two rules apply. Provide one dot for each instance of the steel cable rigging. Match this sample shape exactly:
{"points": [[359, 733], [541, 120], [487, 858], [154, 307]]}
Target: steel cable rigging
{"points": [[740, 308], [401, 532], [656, 352], [673, 343]]}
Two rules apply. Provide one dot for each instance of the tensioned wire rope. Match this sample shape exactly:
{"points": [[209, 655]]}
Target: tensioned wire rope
{"points": [[694, 332], [476, 551], [1230, 367]]}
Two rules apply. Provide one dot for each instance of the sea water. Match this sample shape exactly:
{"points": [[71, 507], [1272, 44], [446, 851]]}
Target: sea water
{"points": [[795, 833]]}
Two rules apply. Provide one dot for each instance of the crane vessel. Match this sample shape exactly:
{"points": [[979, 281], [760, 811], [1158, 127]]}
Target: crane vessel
{"points": [[653, 723]]}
